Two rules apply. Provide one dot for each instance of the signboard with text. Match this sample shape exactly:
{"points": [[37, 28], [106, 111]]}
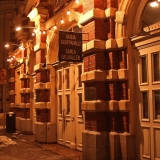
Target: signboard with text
{"points": [[3, 74], [70, 46]]}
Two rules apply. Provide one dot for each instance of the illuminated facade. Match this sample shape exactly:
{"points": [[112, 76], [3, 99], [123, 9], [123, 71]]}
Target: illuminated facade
{"points": [[108, 104]]}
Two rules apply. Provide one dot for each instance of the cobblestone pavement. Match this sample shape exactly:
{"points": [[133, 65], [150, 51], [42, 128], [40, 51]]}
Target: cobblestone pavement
{"points": [[26, 149]]}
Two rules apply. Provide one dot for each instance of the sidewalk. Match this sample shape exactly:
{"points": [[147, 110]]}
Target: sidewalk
{"points": [[53, 147], [62, 150]]}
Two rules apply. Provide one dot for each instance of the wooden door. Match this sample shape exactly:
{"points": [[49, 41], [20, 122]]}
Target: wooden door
{"points": [[69, 97], [149, 106]]}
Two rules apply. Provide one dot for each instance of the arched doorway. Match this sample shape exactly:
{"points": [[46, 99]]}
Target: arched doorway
{"points": [[70, 120], [147, 60]]}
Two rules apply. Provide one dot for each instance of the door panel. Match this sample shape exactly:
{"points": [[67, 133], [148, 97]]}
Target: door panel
{"points": [[69, 97], [149, 85]]}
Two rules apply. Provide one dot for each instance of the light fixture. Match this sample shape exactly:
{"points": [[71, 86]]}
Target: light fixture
{"points": [[7, 45], [62, 21], [68, 12], [13, 61], [55, 27], [19, 28], [33, 34], [77, 1], [44, 32], [154, 4]]}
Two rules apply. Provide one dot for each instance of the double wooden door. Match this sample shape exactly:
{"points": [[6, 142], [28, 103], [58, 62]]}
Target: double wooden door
{"points": [[69, 97], [148, 123]]}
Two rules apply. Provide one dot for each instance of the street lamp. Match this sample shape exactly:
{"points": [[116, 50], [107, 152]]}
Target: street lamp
{"points": [[7, 45], [19, 28]]}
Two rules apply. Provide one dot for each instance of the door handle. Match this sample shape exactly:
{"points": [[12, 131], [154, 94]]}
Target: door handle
{"points": [[63, 113], [72, 118]]}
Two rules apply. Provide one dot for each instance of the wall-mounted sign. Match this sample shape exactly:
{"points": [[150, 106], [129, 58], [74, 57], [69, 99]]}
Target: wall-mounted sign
{"points": [[3, 75], [70, 46]]}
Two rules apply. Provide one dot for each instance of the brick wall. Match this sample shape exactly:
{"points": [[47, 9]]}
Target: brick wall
{"points": [[43, 95], [12, 99], [122, 59], [11, 72], [112, 3], [23, 68], [112, 90], [107, 121], [42, 76], [40, 38], [105, 60], [96, 29], [42, 115], [21, 112], [24, 53], [90, 4], [25, 98], [25, 83], [97, 60], [40, 56], [12, 86]]}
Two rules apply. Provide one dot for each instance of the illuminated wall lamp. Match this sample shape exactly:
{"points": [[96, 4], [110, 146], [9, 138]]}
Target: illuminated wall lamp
{"points": [[19, 28], [7, 45], [68, 12], [77, 1], [62, 21], [55, 27]]}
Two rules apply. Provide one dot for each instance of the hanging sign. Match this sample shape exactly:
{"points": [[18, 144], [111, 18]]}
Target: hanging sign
{"points": [[3, 74], [70, 46]]}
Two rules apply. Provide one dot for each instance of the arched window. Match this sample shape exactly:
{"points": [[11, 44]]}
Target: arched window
{"points": [[151, 14]]}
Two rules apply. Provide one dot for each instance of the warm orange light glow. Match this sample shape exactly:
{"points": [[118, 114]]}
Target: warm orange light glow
{"points": [[7, 45], [18, 28], [68, 12], [55, 27], [20, 47], [62, 21], [154, 4]]}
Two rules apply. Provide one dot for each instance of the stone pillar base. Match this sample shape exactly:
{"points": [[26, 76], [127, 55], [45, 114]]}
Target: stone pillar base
{"points": [[94, 145], [24, 125], [115, 148], [127, 146], [45, 132]]}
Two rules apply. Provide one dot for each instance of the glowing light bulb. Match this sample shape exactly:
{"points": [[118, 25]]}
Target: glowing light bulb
{"points": [[77, 1], [68, 12], [33, 34], [18, 28], [7, 45], [44, 32], [55, 27], [154, 4], [62, 21]]}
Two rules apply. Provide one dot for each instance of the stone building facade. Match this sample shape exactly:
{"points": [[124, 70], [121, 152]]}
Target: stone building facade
{"points": [[106, 106]]}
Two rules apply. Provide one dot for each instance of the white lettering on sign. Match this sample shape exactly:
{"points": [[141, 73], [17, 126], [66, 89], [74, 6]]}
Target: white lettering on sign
{"points": [[70, 42], [70, 51], [70, 57], [70, 36]]}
